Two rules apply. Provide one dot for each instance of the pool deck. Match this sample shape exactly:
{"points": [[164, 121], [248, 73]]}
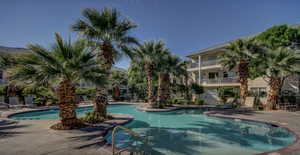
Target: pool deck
{"points": [[35, 138]]}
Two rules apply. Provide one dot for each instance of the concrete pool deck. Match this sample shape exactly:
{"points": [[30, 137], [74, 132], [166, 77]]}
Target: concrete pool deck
{"points": [[34, 136]]}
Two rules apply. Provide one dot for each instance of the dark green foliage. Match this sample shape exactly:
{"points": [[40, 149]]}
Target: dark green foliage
{"points": [[89, 92], [42, 95], [180, 101], [226, 92], [3, 90], [197, 88], [137, 81], [280, 36], [94, 118], [199, 102], [106, 26]]}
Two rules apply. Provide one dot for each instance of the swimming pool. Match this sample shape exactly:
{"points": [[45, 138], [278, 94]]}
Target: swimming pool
{"points": [[188, 131]]}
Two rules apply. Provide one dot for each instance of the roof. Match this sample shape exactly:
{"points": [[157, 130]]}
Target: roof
{"points": [[220, 46]]}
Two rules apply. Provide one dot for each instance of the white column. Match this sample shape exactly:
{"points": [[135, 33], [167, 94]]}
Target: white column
{"points": [[199, 63]]}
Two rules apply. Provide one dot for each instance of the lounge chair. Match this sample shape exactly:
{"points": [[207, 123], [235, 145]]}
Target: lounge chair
{"points": [[4, 105]]}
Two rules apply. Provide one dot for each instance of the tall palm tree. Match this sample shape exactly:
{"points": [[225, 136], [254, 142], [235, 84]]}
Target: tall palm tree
{"points": [[150, 54], [64, 64], [240, 54], [109, 33], [136, 80], [169, 65], [276, 66], [181, 71]]}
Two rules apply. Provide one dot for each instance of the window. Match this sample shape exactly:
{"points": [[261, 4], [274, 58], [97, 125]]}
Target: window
{"points": [[213, 75], [211, 57], [261, 91], [1, 75], [225, 75]]}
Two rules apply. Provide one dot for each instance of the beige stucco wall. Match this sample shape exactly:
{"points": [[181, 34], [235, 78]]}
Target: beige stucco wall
{"points": [[258, 82]]}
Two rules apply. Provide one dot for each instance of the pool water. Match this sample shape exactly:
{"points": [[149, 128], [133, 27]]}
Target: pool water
{"points": [[189, 132]]}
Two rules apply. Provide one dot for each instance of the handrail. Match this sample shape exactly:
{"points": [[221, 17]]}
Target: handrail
{"points": [[128, 131]]}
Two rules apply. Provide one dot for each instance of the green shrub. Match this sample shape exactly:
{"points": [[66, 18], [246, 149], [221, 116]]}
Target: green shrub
{"points": [[198, 89], [89, 92], [3, 90], [199, 101], [260, 107], [93, 118]]}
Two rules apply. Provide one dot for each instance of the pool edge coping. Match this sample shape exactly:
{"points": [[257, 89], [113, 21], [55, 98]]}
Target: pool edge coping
{"points": [[9, 114]]}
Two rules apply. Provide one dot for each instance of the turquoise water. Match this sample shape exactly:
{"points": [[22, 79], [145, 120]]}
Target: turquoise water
{"points": [[189, 132]]}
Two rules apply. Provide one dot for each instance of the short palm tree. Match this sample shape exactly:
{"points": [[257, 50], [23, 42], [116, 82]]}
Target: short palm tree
{"points": [[64, 64], [240, 54], [150, 54], [109, 34], [276, 66]]}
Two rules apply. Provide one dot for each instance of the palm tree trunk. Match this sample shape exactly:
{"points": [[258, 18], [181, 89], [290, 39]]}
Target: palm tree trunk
{"points": [[243, 79], [67, 104], [273, 93], [186, 89], [100, 101], [163, 89], [151, 100]]}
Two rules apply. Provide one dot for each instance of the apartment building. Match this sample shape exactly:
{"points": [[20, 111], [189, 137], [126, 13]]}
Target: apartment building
{"points": [[206, 71]]}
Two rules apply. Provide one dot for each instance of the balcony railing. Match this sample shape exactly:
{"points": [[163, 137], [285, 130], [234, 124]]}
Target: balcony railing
{"points": [[194, 65], [204, 63], [220, 80], [209, 62]]}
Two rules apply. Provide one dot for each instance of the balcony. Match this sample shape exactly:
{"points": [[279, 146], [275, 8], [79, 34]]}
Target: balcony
{"points": [[220, 80], [209, 63], [194, 65]]}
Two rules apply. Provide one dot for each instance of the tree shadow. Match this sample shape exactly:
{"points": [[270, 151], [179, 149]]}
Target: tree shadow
{"points": [[160, 140], [93, 136], [190, 140], [238, 111], [7, 125], [246, 134]]}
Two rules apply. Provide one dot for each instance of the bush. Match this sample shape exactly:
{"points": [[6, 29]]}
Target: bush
{"points": [[199, 101], [89, 92], [260, 107], [94, 118], [197, 88]]}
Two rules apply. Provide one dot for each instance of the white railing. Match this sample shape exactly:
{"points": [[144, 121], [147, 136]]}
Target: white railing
{"points": [[194, 65], [209, 63], [220, 80]]}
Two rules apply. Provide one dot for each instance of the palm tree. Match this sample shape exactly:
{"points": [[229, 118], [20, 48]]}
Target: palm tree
{"points": [[109, 34], [276, 66], [181, 71], [150, 54], [136, 80], [240, 54], [169, 65], [64, 64]]}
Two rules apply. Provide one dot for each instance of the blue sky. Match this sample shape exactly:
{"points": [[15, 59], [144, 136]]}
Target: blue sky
{"points": [[185, 25]]}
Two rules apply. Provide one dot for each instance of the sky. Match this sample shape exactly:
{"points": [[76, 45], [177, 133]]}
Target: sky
{"points": [[185, 25]]}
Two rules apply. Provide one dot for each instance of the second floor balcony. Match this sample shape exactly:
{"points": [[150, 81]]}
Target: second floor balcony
{"points": [[220, 80], [204, 63]]}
